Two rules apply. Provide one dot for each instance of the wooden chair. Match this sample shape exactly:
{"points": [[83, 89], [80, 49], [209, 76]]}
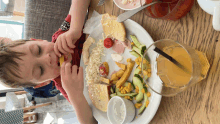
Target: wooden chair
{"points": [[14, 100], [36, 106], [20, 92], [12, 103]]}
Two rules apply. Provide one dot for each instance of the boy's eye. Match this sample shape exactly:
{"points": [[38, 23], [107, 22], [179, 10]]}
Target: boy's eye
{"points": [[39, 50], [41, 70]]}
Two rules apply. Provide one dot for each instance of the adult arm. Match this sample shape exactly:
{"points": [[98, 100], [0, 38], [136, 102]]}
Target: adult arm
{"points": [[65, 42], [78, 11]]}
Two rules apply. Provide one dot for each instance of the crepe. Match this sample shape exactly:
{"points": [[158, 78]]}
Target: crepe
{"points": [[112, 28], [99, 94], [85, 52]]}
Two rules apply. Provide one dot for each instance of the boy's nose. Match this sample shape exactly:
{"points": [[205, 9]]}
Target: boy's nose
{"points": [[47, 59]]}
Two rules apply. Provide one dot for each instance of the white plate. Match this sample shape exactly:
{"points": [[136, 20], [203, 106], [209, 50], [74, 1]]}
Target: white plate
{"points": [[142, 35]]}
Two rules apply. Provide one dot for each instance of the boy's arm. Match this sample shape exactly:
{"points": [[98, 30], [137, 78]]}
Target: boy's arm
{"points": [[73, 84], [82, 108], [60, 88], [78, 12]]}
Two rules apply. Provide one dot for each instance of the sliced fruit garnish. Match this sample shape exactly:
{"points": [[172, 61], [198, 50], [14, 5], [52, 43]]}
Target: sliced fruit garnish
{"points": [[102, 70], [61, 60], [108, 42]]}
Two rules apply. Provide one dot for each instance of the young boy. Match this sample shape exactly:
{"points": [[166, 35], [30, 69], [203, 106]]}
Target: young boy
{"points": [[33, 62]]}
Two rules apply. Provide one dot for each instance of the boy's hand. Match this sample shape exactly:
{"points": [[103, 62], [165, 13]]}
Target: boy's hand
{"points": [[71, 81], [65, 42]]}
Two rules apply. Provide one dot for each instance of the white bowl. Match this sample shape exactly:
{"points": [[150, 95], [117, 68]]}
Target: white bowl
{"points": [[117, 103], [127, 6]]}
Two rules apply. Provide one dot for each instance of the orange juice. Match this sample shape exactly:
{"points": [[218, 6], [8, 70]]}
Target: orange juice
{"points": [[169, 73], [167, 78]]}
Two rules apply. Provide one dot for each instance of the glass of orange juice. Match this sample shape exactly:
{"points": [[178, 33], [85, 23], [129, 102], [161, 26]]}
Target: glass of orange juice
{"points": [[167, 78]]}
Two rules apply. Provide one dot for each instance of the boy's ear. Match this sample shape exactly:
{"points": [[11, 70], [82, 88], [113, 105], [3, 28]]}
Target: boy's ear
{"points": [[1, 38], [5, 39], [32, 39], [42, 84], [36, 39]]}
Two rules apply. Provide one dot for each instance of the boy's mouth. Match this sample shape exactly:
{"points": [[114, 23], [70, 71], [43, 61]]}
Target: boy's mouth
{"points": [[61, 60], [67, 58], [58, 63], [58, 60]]}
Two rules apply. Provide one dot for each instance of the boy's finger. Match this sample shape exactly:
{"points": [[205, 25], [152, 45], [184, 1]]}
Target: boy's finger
{"points": [[62, 69], [70, 43], [74, 70], [56, 50], [66, 48], [61, 48], [74, 41], [64, 41], [59, 44], [68, 69], [80, 74]]}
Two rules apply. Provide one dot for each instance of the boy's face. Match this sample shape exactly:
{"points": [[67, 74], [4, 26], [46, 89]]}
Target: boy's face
{"points": [[39, 64]]}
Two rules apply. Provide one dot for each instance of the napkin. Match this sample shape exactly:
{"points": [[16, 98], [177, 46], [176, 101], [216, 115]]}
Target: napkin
{"points": [[12, 102], [49, 118], [93, 22]]}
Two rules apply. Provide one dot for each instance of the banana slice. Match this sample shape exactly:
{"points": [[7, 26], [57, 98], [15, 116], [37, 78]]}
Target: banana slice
{"points": [[61, 59]]}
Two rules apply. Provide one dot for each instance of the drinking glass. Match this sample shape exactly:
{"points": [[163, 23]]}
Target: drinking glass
{"points": [[169, 11], [167, 78]]}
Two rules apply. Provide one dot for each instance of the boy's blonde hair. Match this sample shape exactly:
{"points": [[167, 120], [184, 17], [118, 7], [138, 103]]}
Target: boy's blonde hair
{"points": [[9, 68]]}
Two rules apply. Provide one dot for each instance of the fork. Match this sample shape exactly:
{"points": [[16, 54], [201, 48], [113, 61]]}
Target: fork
{"points": [[101, 2]]}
